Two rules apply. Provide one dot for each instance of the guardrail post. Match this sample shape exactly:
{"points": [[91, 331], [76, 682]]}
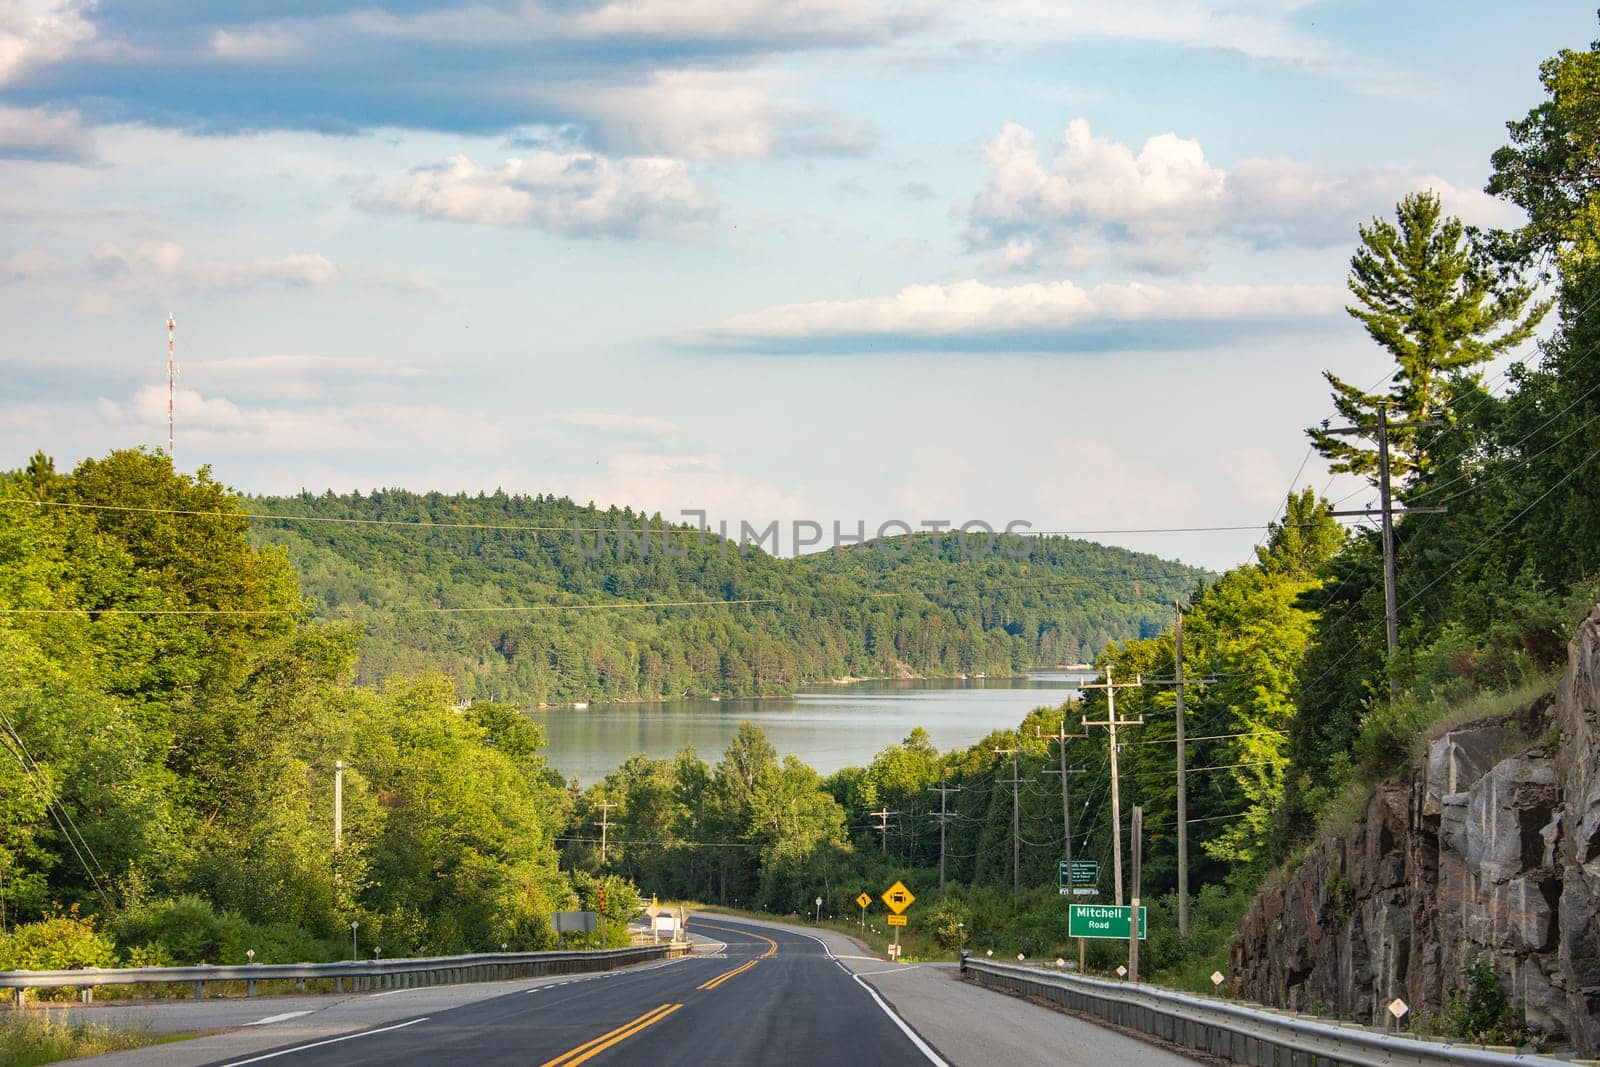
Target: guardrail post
{"points": [[250, 987], [17, 997], [199, 991]]}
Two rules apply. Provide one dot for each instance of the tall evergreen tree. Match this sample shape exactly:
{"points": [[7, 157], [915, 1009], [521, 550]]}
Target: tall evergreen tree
{"points": [[1422, 294]]}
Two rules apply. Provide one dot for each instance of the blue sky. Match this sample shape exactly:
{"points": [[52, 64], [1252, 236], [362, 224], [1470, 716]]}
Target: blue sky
{"points": [[1076, 263]]}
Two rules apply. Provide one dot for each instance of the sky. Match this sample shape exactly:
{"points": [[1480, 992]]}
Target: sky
{"points": [[1078, 264]]}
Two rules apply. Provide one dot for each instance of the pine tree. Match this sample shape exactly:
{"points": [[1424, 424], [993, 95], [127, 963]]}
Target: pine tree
{"points": [[1421, 293]]}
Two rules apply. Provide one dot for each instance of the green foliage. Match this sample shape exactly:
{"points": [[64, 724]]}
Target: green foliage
{"points": [[1422, 296], [60, 941], [188, 930], [1479, 1010], [882, 610]]}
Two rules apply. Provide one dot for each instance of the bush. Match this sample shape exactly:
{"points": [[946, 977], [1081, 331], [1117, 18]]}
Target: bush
{"points": [[61, 941], [188, 930], [1480, 1010]]}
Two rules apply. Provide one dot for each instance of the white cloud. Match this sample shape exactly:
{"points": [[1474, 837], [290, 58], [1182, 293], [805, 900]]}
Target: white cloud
{"points": [[210, 423], [152, 264], [570, 193], [38, 31], [1259, 29], [708, 114], [973, 310], [1152, 207], [44, 134], [28, 265]]}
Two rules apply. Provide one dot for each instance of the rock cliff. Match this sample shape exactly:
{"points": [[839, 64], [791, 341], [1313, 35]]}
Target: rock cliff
{"points": [[1491, 848]]}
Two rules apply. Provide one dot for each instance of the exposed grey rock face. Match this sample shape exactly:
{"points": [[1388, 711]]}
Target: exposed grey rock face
{"points": [[1491, 848]]}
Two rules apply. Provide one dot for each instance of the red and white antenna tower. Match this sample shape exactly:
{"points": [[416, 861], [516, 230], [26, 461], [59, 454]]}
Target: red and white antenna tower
{"points": [[172, 373]]}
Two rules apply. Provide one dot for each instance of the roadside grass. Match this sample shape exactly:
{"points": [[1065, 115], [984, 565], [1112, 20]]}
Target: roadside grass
{"points": [[33, 1037], [1394, 738]]}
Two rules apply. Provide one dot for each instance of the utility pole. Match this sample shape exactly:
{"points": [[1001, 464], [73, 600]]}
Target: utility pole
{"points": [[882, 827], [1133, 912], [1386, 512], [1016, 820], [605, 824], [944, 792], [1062, 737], [1178, 682], [1111, 722], [338, 804]]}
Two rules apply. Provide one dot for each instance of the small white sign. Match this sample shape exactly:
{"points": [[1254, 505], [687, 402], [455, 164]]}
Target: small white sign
{"points": [[1217, 978], [1398, 1007], [1060, 962], [1122, 972]]}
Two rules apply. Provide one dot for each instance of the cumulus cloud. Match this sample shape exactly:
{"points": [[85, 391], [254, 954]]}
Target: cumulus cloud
{"points": [[576, 194], [44, 134], [1042, 316], [37, 32], [1154, 206]]}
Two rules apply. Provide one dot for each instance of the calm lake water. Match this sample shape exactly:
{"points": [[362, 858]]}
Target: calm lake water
{"points": [[829, 728]]}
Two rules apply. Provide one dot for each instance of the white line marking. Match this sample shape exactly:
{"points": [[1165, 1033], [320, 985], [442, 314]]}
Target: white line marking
{"points": [[922, 1046], [392, 992], [280, 1018], [329, 1041]]}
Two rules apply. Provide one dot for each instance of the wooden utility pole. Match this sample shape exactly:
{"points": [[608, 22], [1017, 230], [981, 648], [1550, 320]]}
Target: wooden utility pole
{"points": [[338, 804], [1178, 682], [1062, 737], [605, 824], [882, 827], [1111, 722], [1133, 912], [1016, 820], [944, 792], [1386, 512]]}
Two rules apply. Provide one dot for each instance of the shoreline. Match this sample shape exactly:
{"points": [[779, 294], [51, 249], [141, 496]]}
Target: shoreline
{"points": [[592, 705]]}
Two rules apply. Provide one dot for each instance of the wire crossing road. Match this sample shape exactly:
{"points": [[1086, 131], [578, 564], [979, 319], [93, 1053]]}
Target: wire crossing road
{"points": [[771, 997]]}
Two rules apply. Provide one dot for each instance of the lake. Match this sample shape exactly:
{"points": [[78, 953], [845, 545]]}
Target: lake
{"points": [[828, 727]]}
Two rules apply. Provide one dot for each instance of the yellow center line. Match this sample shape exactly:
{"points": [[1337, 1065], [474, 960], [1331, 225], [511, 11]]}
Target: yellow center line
{"points": [[593, 1048], [772, 946], [723, 977]]}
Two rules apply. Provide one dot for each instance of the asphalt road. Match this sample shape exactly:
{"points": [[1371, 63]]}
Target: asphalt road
{"points": [[772, 996]]}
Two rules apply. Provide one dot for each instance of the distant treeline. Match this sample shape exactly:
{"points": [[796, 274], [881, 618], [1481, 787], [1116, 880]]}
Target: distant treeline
{"points": [[518, 598]]}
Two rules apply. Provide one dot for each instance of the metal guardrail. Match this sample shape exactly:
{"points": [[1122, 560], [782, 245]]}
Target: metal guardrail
{"points": [[360, 975], [1249, 1035]]}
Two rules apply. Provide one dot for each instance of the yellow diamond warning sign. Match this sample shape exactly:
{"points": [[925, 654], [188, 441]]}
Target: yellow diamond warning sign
{"points": [[898, 897], [864, 899]]}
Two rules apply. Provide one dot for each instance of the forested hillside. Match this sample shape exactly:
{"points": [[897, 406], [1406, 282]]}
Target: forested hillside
{"points": [[502, 595]]}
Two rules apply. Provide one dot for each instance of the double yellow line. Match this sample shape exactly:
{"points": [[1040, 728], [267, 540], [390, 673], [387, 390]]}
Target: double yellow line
{"points": [[590, 1049], [725, 975]]}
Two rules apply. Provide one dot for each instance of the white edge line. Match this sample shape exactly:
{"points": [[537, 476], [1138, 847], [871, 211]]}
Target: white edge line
{"points": [[329, 1041], [280, 1018], [894, 1017]]}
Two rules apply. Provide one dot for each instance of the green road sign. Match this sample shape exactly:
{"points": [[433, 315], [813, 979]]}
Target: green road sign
{"points": [[1103, 920], [1084, 872]]}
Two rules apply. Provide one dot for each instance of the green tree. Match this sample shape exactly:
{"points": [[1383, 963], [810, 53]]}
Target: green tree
{"points": [[1422, 295]]}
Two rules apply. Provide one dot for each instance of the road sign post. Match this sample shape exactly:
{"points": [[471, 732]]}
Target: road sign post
{"points": [[899, 898]]}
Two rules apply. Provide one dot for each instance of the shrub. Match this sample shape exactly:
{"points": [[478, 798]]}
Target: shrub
{"points": [[1480, 1011], [60, 941]]}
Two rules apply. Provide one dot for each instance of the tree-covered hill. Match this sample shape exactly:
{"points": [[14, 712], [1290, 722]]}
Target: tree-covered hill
{"points": [[500, 593]]}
